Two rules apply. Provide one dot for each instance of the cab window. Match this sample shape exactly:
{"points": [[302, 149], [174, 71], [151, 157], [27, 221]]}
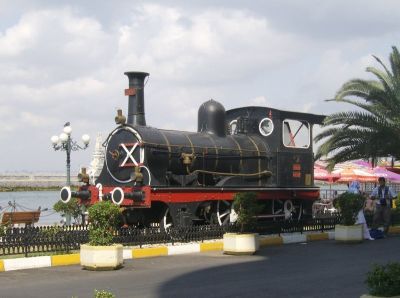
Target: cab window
{"points": [[296, 134]]}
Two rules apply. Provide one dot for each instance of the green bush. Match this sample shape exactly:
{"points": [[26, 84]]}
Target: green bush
{"points": [[103, 294], [246, 206], [72, 207], [384, 280], [103, 217], [349, 205], [3, 229], [52, 231]]}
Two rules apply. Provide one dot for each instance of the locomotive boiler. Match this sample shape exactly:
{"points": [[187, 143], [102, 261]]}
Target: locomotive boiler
{"points": [[171, 177]]}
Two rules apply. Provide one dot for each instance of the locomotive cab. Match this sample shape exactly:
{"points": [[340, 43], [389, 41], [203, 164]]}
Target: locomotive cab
{"points": [[288, 135]]}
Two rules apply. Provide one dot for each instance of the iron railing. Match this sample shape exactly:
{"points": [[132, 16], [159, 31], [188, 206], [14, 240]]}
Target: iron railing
{"points": [[37, 240]]}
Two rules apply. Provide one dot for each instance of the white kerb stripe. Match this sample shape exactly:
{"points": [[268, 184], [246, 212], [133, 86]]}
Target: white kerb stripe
{"points": [[294, 238], [331, 235], [183, 249], [127, 254], [26, 263]]}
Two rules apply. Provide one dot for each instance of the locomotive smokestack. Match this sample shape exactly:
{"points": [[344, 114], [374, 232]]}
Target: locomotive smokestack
{"points": [[136, 97]]}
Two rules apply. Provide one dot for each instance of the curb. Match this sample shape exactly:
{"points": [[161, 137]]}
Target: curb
{"points": [[166, 250]]}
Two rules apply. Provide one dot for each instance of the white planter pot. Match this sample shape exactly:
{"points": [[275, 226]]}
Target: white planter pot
{"points": [[349, 233], [101, 257], [240, 244]]}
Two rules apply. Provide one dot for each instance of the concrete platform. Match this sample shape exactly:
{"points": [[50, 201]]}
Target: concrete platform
{"points": [[306, 269]]}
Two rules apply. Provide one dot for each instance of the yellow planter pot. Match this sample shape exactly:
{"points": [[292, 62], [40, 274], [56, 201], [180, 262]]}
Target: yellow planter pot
{"points": [[101, 257], [240, 244]]}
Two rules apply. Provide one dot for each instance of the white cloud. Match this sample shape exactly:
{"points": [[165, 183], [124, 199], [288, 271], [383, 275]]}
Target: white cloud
{"points": [[66, 63], [208, 47], [259, 101]]}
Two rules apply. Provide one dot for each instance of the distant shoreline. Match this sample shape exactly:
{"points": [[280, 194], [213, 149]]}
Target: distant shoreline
{"points": [[29, 188]]}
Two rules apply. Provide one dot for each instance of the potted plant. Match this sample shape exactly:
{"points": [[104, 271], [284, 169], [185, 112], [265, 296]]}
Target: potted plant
{"points": [[244, 242], [383, 281], [100, 253], [349, 204]]}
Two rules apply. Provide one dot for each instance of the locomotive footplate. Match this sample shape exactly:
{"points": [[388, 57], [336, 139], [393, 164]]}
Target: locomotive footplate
{"points": [[143, 197], [179, 195]]}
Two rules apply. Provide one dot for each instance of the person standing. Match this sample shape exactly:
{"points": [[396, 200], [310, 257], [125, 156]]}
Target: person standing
{"points": [[354, 187], [383, 196]]}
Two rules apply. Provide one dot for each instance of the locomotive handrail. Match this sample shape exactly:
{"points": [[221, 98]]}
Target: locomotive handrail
{"points": [[262, 173], [201, 147]]}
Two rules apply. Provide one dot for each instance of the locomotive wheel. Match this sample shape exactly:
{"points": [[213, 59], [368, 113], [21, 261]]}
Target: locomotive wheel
{"points": [[298, 211], [166, 221], [223, 213], [287, 209]]}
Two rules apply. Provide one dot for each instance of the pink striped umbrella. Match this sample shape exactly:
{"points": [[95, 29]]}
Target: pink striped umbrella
{"points": [[350, 174], [324, 175]]}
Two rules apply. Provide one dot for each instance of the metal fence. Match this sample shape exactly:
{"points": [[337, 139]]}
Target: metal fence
{"points": [[37, 240]]}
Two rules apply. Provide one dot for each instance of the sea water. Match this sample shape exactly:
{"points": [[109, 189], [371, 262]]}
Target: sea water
{"points": [[32, 200]]}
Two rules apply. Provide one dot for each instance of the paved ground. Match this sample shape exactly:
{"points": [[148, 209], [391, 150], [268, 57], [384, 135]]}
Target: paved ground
{"points": [[316, 269]]}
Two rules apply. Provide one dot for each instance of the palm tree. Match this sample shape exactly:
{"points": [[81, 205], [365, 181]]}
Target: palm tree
{"points": [[373, 130]]}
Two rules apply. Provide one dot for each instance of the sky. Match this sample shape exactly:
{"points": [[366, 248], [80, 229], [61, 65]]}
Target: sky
{"points": [[64, 61]]}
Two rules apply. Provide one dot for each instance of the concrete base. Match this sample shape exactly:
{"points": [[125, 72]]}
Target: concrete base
{"points": [[101, 257], [349, 234], [370, 296], [240, 244]]}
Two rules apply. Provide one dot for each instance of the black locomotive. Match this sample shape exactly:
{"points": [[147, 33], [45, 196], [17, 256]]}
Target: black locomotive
{"points": [[182, 178]]}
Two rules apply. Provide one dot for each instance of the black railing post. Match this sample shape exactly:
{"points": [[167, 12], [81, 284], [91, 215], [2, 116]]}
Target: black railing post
{"points": [[25, 241]]}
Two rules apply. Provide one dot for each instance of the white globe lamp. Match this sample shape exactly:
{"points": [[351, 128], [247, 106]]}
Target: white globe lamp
{"points": [[86, 139], [63, 137], [54, 140], [67, 130]]}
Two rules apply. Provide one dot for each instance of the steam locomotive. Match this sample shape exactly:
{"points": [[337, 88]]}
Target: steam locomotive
{"points": [[181, 178]]}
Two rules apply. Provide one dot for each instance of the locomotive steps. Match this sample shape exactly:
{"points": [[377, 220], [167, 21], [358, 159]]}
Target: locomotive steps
{"points": [[167, 250]]}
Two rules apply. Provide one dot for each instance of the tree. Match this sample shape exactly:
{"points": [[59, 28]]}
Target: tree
{"points": [[373, 130], [72, 208]]}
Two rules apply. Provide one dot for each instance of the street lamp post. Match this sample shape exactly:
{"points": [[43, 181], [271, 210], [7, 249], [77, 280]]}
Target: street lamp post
{"points": [[64, 142]]}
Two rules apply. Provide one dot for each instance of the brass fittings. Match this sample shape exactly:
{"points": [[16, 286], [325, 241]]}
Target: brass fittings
{"points": [[83, 176], [120, 119], [187, 158], [137, 175]]}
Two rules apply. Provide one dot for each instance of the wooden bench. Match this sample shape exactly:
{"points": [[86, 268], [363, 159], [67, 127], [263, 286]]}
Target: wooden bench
{"points": [[20, 217]]}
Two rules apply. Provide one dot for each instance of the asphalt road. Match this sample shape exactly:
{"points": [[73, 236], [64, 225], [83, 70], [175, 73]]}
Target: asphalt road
{"points": [[316, 269]]}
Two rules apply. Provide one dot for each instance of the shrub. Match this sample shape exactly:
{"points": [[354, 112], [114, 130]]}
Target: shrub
{"points": [[246, 206], [349, 204], [72, 207], [384, 280], [103, 294], [51, 231], [103, 217]]}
